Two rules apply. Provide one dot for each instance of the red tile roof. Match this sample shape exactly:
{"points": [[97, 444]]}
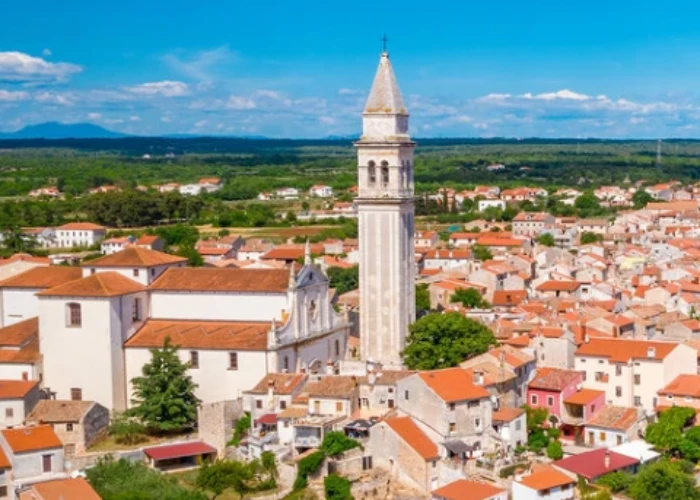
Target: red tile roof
{"points": [[591, 464], [81, 226], [42, 277], [107, 284], [584, 396], [614, 417], [25, 439], [623, 350], [508, 297], [180, 450], [413, 436], [683, 385], [554, 379], [507, 414], [222, 280], [16, 389], [65, 489], [453, 384], [546, 479], [467, 490], [558, 286], [135, 257]]}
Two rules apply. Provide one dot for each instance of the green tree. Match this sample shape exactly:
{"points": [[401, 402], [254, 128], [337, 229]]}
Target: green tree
{"points": [[344, 279], [616, 481], [422, 297], [640, 199], [470, 298], [587, 204], [546, 239], [663, 481], [269, 464], [241, 430], [15, 241], [587, 238], [337, 488], [667, 432], [555, 450], [194, 258], [215, 477], [481, 253], [164, 397], [336, 442], [126, 429], [445, 340]]}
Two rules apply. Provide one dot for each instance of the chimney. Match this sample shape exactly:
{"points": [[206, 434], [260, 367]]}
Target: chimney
{"points": [[478, 378], [329, 367], [270, 390], [651, 352], [607, 459]]}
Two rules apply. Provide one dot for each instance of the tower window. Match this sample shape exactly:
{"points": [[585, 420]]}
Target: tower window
{"points": [[372, 171], [385, 173]]}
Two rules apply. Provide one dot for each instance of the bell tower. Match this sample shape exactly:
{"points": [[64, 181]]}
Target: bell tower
{"points": [[386, 221]]}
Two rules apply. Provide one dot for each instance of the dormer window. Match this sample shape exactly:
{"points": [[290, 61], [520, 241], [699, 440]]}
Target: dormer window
{"points": [[372, 172]]}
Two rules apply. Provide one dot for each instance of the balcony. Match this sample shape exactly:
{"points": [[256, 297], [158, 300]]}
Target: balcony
{"points": [[307, 442]]}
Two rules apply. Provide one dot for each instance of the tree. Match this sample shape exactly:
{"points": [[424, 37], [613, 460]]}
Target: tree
{"points": [[445, 340], [667, 432], [587, 238], [470, 298], [194, 258], [640, 199], [422, 297], [663, 480], [555, 450], [337, 488], [344, 279], [336, 442], [616, 481], [126, 430], [481, 253], [215, 478], [269, 464], [587, 204], [546, 239], [241, 430], [164, 397], [15, 241]]}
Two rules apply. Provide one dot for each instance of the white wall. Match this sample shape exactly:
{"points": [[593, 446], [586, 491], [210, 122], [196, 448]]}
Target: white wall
{"points": [[17, 406], [14, 371], [522, 492], [604, 438], [18, 304], [145, 275], [218, 306], [216, 382]]}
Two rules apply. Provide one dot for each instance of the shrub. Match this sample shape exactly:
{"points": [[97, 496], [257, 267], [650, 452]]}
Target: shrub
{"points": [[306, 467], [337, 488], [336, 442]]}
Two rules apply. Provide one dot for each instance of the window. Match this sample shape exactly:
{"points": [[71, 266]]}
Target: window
{"points": [[550, 400], [473, 404], [339, 407], [451, 406], [337, 348], [258, 404], [618, 391], [46, 463], [618, 438], [9, 413], [69, 427], [194, 359], [76, 394], [74, 315], [136, 273], [618, 370], [518, 425], [603, 437], [92, 270], [286, 363], [453, 426], [390, 403], [385, 173], [477, 424], [637, 379], [136, 309], [600, 377], [533, 399], [372, 172], [233, 361], [405, 395], [69, 450], [637, 401], [283, 405]]}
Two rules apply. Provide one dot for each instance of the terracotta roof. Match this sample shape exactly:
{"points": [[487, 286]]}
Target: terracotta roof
{"points": [[25, 257], [413, 436], [206, 335], [4, 462], [554, 379], [65, 489], [293, 412], [507, 414], [453, 384], [290, 252], [490, 241], [508, 297], [614, 417], [210, 250], [81, 226], [223, 280], [147, 239], [179, 450], [49, 411], [683, 385], [20, 333], [43, 277], [135, 257], [467, 490], [25, 439], [546, 479], [622, 350], [584, 396], [16, 389], [333, 386], [107, 284], [283, 383], [558, 286], [591, 464]]}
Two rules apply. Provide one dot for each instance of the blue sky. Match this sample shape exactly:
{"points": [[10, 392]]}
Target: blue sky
{"points": [[302, 69]]}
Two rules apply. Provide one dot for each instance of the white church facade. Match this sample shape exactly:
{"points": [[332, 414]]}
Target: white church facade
{"points": [[232, 325]]}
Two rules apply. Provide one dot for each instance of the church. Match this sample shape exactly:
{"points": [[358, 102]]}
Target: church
{"points": [[233, 326]]}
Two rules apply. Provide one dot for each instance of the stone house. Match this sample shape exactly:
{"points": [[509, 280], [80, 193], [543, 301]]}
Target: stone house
{"points": [[78, 424]]}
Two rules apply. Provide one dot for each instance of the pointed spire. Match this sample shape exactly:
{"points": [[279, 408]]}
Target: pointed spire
{"points": [[385, 96], [292, 277], [307, 253]]}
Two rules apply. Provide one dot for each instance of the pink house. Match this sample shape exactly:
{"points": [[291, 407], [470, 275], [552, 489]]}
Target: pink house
{"points": [[549, 389]]}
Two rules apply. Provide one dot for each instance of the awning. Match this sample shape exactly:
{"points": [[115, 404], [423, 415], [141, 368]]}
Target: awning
{"points": [[181, 450], [457, 447], [268, 419], [359, 424]]}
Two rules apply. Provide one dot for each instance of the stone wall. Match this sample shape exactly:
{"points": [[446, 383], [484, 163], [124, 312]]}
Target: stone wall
{"points": [[216, 422]]}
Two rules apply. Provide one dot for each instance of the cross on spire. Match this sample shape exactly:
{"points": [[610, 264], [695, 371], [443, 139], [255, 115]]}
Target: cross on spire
{"points": [[384, 40]]}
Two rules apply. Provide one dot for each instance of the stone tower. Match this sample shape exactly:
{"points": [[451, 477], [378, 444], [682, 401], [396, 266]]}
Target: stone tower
{"points": [[386, 211]]}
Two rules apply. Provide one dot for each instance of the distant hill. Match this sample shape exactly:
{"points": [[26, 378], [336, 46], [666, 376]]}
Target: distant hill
{"points": [[55, 130]]}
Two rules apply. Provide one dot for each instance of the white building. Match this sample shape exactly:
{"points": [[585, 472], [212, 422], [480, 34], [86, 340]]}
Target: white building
{"points": [[386, 221], [112, 245], [321, 191], [190, 189], [491, 203], [288, 193], [17, 399], [79, 234], [546, 484]]}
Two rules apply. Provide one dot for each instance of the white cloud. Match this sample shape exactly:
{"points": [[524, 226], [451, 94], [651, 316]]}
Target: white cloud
{"points": [[8, 95], [55, 98], [113, 121], [134, 118], [271, 94], [201, 123], [20, 67], [239, 102], [200, 65], [560, 94], [346, 91], [327, 120], [94, 116], [166, 88], [46, 52], [166, 119]]}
